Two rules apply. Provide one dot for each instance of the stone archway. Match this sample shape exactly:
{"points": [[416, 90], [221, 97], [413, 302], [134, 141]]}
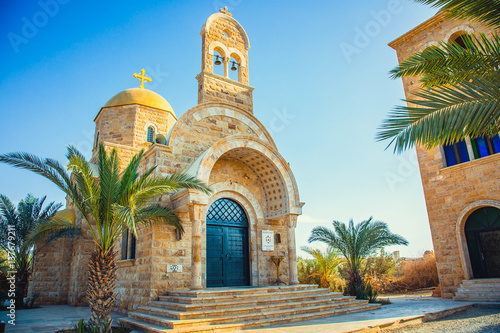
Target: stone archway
{"points": [[482, 232], [471, 236]]}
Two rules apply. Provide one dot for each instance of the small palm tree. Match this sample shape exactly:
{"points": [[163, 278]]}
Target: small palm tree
{"points": [[460, 93], [15, 225], [326, 265], [110, 202], [356, 243]]}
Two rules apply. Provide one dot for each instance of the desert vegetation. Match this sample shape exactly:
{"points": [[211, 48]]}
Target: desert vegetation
{"points": [[377, 272]]}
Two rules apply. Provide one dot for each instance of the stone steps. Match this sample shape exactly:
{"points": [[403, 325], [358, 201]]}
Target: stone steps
{"points": [[226, 309], [227, 298], [479, 290], [147, 324], [481, 281], [239, 291], [242, 311], [254, 301]]}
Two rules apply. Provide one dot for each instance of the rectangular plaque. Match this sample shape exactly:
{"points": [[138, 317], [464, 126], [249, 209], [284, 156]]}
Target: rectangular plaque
{"points": [[174, 268], [267, 240]]}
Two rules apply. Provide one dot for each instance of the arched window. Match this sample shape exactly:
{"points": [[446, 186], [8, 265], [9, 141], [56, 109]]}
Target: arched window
{"points": [[460, 40], [128, 245], [96, 144], [150, 134], [226, 211]]}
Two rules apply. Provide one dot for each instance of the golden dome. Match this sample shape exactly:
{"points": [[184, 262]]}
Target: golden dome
{"points": [[140, 96]]}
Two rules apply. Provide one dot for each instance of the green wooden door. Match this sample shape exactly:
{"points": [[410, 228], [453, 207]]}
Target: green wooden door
{"points": [[227, 245], [482, 231]]}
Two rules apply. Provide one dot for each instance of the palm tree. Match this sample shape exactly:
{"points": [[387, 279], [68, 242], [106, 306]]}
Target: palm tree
{"points": [[356, 243], [15, 225], [326, 265], [460, 92], [110, 202]]}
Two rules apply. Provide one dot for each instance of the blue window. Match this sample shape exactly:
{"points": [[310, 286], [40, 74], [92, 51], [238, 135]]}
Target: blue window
{"points": [[150, 134], [484, 146], [456, 153]]}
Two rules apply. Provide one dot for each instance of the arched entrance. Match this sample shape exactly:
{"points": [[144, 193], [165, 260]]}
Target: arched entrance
{"points": [[227, 245], [482, 231]]}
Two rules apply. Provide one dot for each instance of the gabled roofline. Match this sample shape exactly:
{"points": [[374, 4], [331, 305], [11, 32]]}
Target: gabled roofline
{"points": [[440, 16]]}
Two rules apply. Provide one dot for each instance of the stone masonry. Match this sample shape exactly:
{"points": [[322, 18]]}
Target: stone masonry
{"points": [[451, 193], [220, 142]]}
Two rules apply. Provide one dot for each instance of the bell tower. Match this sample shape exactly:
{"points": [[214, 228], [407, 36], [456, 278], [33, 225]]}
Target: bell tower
{"points": [[224, 43]]}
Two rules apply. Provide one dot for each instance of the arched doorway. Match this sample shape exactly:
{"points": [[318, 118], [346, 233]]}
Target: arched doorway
{"points": [[482, 231], [227, 245]]}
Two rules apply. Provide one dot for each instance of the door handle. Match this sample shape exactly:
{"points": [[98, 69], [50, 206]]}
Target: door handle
{"points": [[228, 257]]}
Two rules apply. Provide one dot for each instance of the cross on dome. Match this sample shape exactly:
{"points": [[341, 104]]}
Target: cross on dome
{"points": [[142, 78]]}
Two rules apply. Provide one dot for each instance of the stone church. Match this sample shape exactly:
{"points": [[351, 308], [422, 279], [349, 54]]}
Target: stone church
{"points": [[229, 236], [461, 185]]}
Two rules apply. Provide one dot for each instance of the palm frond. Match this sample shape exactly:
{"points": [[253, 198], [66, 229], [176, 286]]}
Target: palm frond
{"points": [[182, 180], [60, 223], [445, 115], [451, 63], [486, 11], [37, 165], [155, 213]]}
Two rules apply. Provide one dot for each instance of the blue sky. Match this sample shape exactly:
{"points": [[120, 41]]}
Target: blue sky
{"points": [[319, 69]]}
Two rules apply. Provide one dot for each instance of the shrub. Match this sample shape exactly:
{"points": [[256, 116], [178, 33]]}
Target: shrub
{"points": [[419, 273]]}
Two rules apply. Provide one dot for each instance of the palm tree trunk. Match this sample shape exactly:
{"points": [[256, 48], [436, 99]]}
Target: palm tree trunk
{"points": [[101, 285], [355, 285], [21, 284]]}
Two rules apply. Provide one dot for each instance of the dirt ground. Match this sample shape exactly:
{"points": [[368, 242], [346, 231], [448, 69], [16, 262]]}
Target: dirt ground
{"points": [[477, 319]]}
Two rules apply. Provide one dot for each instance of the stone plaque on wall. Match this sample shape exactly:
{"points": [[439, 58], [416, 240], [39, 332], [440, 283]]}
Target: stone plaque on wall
{"points": [[174, 268], [267, 240]]}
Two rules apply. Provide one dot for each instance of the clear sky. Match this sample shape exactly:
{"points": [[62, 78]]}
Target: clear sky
{"points": [[319, 69]]}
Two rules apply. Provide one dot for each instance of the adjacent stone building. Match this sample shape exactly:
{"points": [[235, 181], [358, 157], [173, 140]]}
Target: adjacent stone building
{"points": [[220, 142], [461, 181]]}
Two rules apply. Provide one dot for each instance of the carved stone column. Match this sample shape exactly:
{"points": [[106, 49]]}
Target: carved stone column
{"points": [[292, 257], [196, 217]]}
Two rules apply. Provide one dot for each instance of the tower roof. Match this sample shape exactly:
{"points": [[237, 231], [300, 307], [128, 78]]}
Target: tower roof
{"points": [[140, 96]]}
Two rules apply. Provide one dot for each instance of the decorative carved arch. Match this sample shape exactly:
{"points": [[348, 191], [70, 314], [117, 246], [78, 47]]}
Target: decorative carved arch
{"points": [[206, 110], [203, 165]]}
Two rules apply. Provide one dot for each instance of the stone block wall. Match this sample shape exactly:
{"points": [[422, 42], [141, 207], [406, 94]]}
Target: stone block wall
{"points": [[51, 273], [448, 190], [216, 88], [133, 276]]}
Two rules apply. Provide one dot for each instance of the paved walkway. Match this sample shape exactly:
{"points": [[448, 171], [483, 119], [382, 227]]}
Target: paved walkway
{"points": [[49, 318]]}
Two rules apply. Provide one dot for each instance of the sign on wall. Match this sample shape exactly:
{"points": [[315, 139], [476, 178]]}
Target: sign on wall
{"points": [[267, 240], [174, 268]]}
